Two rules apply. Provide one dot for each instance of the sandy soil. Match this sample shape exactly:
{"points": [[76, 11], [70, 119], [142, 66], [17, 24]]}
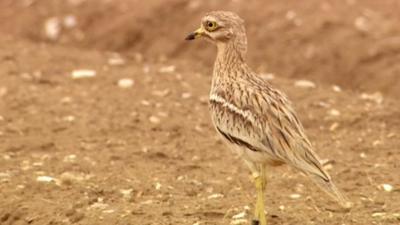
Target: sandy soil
{"points": [[87, 151]]}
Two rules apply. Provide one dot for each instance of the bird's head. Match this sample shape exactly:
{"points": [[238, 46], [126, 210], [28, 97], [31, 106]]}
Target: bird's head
{"points": [[222, 28]]}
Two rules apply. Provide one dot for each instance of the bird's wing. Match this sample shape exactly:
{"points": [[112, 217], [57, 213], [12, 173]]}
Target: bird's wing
{"points": [[262, 119]]}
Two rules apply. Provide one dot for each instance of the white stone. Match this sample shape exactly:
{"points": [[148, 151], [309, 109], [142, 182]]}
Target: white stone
{"points": [[295, 196], [52, 28], [167, 69], [214, 196], [125, 83], [336, 88], [387, 187], [45, 179], [305, 84], [239, 216], [69, 21], [154, 119], [83, 73], [239, 222], [334, 112]]}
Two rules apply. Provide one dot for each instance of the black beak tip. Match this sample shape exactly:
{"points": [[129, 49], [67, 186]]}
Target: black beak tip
{"points": [[191, 36]]}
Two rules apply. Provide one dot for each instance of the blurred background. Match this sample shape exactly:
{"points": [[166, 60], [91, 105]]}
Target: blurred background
{"points": [[104, 118]]}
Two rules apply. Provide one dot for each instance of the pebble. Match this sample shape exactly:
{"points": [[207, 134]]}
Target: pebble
{"points": [[70, 158], [52, 28], [267, 76], [214, 196], [376, 97], [361, 23], [186, 95], [125, 83], [79, 74], [378, 214], [126, 193], [295, 196], [305, 84], [145, 103], [334, 112], [45, 179], [334, 126], [167, 69], [239, 222], [3, 91], [66, 100], [162, 93], [69, 21], [154, 119], [239, 216], [69, 178], [69, 118], [116, 61], [387, 187], [336, 88]]}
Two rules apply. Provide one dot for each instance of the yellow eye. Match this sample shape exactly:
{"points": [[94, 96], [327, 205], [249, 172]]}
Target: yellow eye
{"points": [[211, 25]]}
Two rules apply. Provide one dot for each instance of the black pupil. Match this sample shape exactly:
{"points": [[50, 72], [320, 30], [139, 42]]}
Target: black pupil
{"points": [[210, 24]]}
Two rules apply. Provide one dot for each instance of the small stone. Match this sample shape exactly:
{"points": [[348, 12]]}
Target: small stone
{"points": [[126, 193], [3, 91], [154, 119], [167, 69], [334, 126], [290, 15], [378, 214], [282, 207], [390, 135], [79, 74], [334, 112], [239, 216], [69, 118], [116, 61], [186, 95], [215, 196], [45, 179], [69, 21], [70, 158], [145, 103], [305, 84], [239, 222], [125, 83], [52, 28], [162, 93], [363, 155], [69, 178], [157, 186], [361, 23], [336, 88], [377, 97], [295, 196], [376, 143], [98, 205], [387, 187], [267, 76], [66, 100]]}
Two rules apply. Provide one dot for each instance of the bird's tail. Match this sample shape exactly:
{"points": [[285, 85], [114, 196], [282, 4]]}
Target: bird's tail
{"points": [[329, 187]]}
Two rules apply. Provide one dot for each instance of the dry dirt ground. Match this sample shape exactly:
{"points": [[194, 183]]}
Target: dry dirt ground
{"points": [[86, 151]]}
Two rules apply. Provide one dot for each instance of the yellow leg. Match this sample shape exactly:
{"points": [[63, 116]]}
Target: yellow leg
{"points": [[260, 182]]}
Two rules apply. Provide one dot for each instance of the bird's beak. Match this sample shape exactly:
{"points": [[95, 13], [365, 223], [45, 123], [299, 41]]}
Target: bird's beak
{"points": [[197, 33]]}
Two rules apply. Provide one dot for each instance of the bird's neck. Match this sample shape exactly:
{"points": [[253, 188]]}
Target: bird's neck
{"points": [[229, 57]]}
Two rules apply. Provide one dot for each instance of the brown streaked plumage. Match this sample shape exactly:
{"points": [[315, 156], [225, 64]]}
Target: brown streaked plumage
{"points": [[255, 119]]}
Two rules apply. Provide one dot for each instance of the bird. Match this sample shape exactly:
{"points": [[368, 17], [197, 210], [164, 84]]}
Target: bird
{"points": [[254, 119]]}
